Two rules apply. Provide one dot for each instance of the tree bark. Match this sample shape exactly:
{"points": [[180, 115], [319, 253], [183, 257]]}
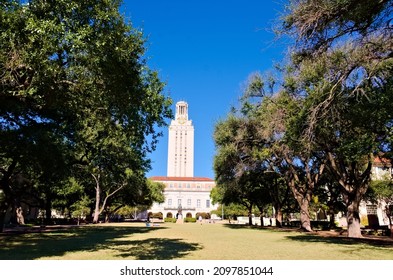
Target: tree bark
{"points": [[3, 211], [305, 214], [48, 212], [5, 192], [303, 200], [278, 215], [250, 216], [98, 198], [98, 210], [19, 216], [331, 217], [353, 219], [303, 188]]}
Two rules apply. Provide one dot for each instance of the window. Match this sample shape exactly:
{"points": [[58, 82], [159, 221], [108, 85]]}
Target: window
{"points": [[371, 209], [189, 202], [198, 203], [169, 202], [178, 202], [207, 203], [188, 186]]}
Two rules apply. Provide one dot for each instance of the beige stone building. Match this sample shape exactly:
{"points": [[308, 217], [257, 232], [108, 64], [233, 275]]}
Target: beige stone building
{"points": [[184, 194]]}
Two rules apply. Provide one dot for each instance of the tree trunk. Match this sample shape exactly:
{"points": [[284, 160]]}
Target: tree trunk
{"points": [[389, 214], [48, 212], [3, 212], [278, 214], [354, 183], [331, 217], [6, 193], [305, 215], [250, 217], [19, 216], [353, 217], [98, 198], [97, 206], [303, 199]]}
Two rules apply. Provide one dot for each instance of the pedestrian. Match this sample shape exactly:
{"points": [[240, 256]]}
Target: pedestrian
{"points": [[200, 219]]}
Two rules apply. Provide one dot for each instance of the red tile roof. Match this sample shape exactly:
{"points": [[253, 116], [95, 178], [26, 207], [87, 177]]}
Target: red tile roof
{"points": [[382, 161], [194, 179]]}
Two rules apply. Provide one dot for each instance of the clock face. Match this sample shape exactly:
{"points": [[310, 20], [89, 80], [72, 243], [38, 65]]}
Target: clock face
{"points": [[181, 120]]}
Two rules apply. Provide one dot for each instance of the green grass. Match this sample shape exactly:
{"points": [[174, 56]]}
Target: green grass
{"points": [[188, 241]]}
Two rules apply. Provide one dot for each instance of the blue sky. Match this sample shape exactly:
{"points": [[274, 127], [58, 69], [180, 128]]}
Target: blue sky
{"points": [[204, 51]]}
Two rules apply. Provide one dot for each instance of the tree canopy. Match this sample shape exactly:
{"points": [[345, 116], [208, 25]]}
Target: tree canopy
{"points": [[76, 93], [330, 112]]}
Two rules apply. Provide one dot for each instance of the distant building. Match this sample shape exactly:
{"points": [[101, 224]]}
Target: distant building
{"points": [[373, 213], [184, 194], [381, 169]]}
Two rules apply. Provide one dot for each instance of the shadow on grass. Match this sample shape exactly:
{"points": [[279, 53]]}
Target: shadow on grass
{"points": [[156, 249], [57, 243], [339, 240], [304, 236]]}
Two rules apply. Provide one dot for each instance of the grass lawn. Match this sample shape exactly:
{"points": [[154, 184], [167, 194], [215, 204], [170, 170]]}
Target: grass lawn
{"points": [[185, 242]]}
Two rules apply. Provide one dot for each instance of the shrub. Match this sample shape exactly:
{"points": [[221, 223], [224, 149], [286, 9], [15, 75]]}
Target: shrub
{"points": [[158, 215], [190, 220], [170, 220], [203, 214]]}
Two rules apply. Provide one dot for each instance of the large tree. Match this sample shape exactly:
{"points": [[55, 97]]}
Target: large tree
{"points": [[246, 166], [73, 74], [341, 67]]}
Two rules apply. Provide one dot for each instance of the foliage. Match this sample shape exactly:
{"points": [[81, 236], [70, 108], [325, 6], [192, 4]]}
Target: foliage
{"points": [[232, 210], [158, 215], [81, 209], [341, 72], [190, 220], [77, 100], [204, 215], [170, 220]]}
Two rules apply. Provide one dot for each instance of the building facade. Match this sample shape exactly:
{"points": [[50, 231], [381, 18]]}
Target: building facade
{"points": [[375, 211], [372, 213], [185, 195]]}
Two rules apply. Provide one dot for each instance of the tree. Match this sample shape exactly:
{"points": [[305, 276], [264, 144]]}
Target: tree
{"points": [[69, 71], [341, 68], [277, 127], [239, 173]]}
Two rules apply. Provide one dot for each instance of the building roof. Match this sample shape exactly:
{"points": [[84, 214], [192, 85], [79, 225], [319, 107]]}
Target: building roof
{"points": [[193, 179], [382, 161]]}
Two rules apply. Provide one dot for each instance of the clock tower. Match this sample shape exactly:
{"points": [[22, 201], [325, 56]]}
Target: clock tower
{"points": [[181, 144]]}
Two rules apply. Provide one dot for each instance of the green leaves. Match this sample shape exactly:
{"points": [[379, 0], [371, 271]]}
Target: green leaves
{"points": [[75, 72]]}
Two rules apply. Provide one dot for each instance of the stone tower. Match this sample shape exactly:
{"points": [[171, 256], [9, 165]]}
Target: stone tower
{"points": [[181, 144]]}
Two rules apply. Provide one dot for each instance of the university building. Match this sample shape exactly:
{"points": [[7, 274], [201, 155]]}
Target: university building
{"points": [[185, 194]]}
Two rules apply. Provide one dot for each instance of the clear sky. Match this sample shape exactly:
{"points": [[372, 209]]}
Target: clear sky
{"points": [[204, 50]]}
